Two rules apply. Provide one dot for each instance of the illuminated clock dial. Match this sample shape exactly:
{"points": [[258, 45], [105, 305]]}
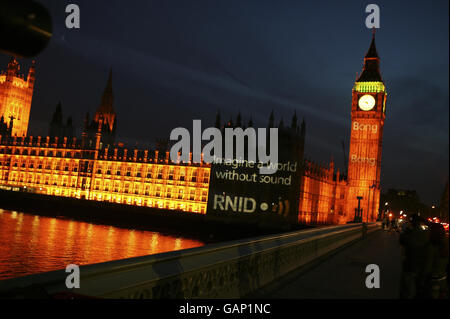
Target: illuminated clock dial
{"points": [[366, 102]]}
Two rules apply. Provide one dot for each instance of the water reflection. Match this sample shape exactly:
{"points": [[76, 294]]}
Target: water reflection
{"points": [[31, 244]]}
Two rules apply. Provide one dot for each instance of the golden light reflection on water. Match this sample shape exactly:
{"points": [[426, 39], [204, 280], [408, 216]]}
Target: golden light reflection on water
{"points": [[31, 244]]}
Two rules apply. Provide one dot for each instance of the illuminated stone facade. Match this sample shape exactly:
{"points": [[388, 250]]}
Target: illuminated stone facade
{"points": [[63, 168], [95, 168], [326, 197], [16, 93], [368, 114], [322, 195]]}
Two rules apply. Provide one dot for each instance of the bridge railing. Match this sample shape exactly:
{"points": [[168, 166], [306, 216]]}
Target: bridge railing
{"points": [[226, 270]]}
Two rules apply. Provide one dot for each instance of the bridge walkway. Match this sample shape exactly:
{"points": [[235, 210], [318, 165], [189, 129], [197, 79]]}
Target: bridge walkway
{"points": [[343, 276]]}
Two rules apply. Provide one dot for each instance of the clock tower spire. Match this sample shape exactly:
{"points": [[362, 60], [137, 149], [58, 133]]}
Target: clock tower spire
{"points": [[368, 112]]}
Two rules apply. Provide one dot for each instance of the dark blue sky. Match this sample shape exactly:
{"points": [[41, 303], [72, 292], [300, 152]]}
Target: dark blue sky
{"points": [[175, 61]]}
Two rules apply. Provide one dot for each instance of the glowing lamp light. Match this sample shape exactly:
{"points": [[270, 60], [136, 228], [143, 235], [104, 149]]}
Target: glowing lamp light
{"points": [[390, 215]]}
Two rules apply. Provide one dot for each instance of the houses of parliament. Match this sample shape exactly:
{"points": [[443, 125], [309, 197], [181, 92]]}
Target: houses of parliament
{"points": [[96, 167]]}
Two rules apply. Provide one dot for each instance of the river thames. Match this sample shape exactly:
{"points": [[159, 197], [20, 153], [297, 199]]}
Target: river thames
{"points": [[31, 244]]}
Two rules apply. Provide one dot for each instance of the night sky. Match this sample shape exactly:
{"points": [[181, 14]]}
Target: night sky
{"points": [[175, 61]]}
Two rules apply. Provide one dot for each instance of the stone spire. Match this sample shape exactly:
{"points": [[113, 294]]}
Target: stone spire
{"points": [[106, 110], [294, 121], [271, 120], [371, 69], [218, 123]]}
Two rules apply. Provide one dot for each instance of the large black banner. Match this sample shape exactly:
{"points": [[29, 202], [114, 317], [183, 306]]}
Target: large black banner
{"points": [[237, 187]]}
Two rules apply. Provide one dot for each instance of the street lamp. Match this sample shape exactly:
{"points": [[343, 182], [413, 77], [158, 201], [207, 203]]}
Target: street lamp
{"points": [[358, 210], [385, 209]]}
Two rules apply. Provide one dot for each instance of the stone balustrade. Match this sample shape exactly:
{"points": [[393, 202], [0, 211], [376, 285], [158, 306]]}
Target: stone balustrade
{"points": [[225, 270]]}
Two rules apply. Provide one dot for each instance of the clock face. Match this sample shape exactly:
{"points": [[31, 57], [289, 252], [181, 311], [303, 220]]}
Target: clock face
{"points": [[366, 102]]}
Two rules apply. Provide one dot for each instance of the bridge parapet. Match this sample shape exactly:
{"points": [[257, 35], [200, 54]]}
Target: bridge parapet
{"points": [[226, 270]]}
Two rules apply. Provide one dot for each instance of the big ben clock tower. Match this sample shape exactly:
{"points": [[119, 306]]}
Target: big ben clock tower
{"points": [[367, 115]]}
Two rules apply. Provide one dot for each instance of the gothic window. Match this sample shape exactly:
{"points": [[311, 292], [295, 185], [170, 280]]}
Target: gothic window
{"points": [[205, 177], [203, 196], [182, 174], [160, 173]]}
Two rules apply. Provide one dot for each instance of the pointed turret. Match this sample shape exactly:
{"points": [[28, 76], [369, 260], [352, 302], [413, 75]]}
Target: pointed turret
{"points": [[57, 115], [13, 68], [371, 69], [218, 123], [271, 120], [69, 129], [303, 127], [294, 123], [31, 75], [106, 109], [239, 120], [372, 53], [230, 122], [281, 125], [56, 124]]}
